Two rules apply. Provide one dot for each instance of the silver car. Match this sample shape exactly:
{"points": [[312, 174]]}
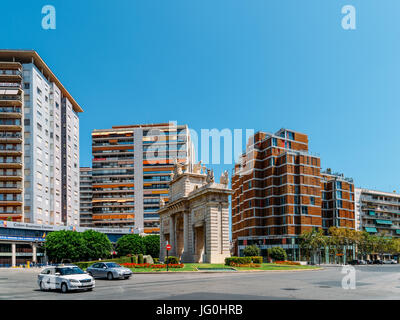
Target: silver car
{"points": [[109, 270], [65, 278]]}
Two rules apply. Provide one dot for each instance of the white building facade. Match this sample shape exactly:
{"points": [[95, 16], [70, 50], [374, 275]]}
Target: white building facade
{"points": [[50, 142]]}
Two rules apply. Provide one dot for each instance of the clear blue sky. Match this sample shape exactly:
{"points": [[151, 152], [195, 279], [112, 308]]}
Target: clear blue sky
{"points": [[231, 64]]}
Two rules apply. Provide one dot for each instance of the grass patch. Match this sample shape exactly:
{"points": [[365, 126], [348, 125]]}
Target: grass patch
{"points": [[194, 266]]}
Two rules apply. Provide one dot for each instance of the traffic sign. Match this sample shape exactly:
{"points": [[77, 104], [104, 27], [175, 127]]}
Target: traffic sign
{"points": [[168, 247]]}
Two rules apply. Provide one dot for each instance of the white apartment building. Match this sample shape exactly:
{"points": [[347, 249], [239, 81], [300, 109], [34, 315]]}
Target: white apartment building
{"points": [[50, 143], [378, 212]]}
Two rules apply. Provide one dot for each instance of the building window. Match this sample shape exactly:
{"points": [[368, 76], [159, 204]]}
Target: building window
{"points": [[304, 210], [312, 201]]}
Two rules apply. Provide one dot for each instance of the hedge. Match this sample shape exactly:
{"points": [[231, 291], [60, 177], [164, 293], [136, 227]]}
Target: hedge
{"points": [[171, 260], [257, 259], [237, 260]]}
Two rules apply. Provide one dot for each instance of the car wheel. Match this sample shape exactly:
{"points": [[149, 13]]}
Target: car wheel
{"points": [[42, 287], [110, 276], [64, 287], [90, 289]]}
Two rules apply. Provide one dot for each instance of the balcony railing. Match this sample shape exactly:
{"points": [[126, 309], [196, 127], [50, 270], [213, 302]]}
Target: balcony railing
{"points": [[13, 122], [15, 97], [10, 109], [9, 135], [8, 148], [15, 186], [10, 85], [14, 174], [10, 72], [18, 198]]}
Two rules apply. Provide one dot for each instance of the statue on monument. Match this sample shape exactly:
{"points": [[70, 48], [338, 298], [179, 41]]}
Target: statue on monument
{"points": [[210, 176], [177, 168], [224, 178], [197, 167]]}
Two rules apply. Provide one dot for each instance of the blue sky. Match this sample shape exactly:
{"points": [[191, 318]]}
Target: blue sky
{"points": [[231, 64]]}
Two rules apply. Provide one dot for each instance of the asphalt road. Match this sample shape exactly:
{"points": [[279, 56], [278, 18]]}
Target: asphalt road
{"points": [[372, 282]]}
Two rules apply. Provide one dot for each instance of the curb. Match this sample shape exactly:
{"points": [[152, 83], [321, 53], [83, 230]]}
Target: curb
{"points": [[237, 271]]}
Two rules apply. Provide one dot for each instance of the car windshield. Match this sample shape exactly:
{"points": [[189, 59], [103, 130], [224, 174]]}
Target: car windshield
{"points": [[113, 265], [69, 271]]}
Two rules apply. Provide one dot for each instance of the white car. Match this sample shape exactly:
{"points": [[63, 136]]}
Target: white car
{"points": [[65, 278]]}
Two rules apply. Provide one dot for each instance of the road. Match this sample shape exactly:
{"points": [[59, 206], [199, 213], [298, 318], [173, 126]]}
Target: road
{"points": [[372, 282]]}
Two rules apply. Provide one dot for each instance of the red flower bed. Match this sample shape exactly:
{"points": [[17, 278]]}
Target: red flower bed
{"points": [[251, 265], [291, 263], [152, 266]]}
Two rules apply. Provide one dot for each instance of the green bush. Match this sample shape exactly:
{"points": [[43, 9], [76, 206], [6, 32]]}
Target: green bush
{"points": [[237, 260], [152, 245], [77, 246], [251, 251], [277, 253], [140, 258], [172, 260], [84, 265], [130, 244], [257, 259]]}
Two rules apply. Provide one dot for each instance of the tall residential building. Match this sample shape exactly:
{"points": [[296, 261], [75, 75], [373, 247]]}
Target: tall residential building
{"points": [[378, 212], [337, 201], [11, 143], [47, 139], [277, 193], [131, 170], [86, 197]]}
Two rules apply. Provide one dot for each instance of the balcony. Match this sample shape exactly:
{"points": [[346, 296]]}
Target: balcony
{"points": [[10, 74], [10, 88], [10, 124], [10, 137], [10, 151], [11, 203], [15, 215], [10, 100], [11, 164], [10, 112], [13, 176], [13, 188]]}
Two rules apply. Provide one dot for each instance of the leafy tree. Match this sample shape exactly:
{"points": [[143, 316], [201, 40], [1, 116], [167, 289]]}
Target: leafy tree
{"points": [[251, 251], [97, 245], [312, 241], [277, 253], [65, 244], [152, 245], [130, 243]]}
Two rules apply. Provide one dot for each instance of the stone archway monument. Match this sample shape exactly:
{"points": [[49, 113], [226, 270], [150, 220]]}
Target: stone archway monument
{"points": [[195, 222]]}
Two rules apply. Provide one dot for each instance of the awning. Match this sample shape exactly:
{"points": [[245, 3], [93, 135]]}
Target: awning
{"points": [[371, 230], [397, 231], [371, 213], [383, 221]]}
